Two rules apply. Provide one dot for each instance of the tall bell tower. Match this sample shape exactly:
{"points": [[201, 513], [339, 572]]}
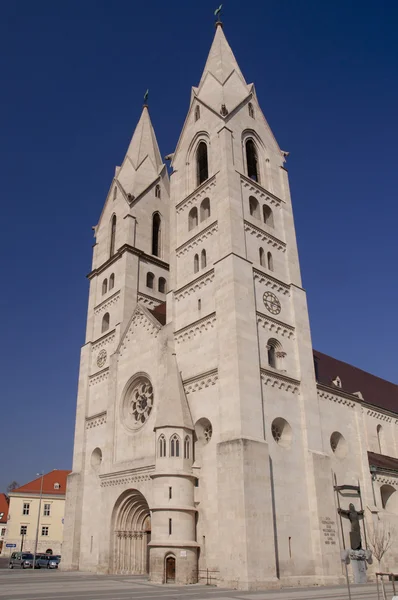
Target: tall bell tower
{"points": [[237, 305]]}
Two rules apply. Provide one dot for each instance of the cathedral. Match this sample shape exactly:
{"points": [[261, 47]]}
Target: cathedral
{"points": [[210, 437]]}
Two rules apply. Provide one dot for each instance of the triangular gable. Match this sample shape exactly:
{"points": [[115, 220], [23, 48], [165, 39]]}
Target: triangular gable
{"points": [[141, 317]]}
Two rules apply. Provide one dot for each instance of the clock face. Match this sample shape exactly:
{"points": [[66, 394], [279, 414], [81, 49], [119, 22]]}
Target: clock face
{"points": [[271, 303], [101, 358]]}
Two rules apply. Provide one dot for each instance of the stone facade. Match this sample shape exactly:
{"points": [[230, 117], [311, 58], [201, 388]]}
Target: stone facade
{"points": [[203, 439]]}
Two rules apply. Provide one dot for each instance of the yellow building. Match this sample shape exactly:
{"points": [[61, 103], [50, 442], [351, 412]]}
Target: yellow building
{"points": [[44, 496]]}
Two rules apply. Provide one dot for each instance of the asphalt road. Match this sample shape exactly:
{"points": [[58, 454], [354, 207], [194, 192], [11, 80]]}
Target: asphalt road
{"points": [[59, 585]]}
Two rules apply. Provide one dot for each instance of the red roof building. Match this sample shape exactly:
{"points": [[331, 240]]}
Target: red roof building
{"points": [[54, 482]]}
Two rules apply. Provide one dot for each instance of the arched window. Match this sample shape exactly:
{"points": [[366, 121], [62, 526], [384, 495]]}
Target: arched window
{"points": [[252, 161], [205, 209], [203, 260], [192, 218], [254, 207], [202, 168], [275, 353], [262, 257], [105, 286], [156, 230], [162, 285], [196, 263], [268, 216], [175, 446], [113, 236], [162, 446], [157, 191], [251, 110], [380, 438], [270, 261], [197, 112], [150, 278], [112, 281], [186, 447], [105, 323]]}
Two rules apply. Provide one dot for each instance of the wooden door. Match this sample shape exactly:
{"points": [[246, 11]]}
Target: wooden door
{"points": [[170, 569]]}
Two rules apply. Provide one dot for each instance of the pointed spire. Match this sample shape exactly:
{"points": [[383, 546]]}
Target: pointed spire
{"points": [[173, 408], [143, 142], [221, 60]]}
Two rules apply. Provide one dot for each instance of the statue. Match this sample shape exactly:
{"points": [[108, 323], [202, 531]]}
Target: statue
{"points": [[217, 14], [146, 97], [354, 516]]}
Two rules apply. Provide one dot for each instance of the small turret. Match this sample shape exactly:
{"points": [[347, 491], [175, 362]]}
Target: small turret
{"points": [[173, 546]]}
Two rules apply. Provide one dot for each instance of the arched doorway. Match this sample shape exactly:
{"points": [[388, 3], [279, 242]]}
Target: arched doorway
{"points": [[131, 534], [170, 567]]}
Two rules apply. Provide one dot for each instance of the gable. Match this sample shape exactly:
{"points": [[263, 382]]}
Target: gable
{"points": [[142, 320]]}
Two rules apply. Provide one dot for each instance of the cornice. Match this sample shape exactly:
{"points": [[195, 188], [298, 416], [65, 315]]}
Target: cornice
{"points": [[103, 340], [264, 194], [336, 395], [196, 284], [199, 192], [127, 476], [272, 282], [130, 249], [197, 239], [148, 301], [198, 382], [96, 420], [386, 476], [279, 380], [98, 377], [195, 328], [275, 326], [107, 302], [265, 236]]}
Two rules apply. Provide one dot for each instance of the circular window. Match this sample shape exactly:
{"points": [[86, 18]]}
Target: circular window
{"points": [[138, 403], [203, 430], [96, 458], [338, 444], [281, 432]]}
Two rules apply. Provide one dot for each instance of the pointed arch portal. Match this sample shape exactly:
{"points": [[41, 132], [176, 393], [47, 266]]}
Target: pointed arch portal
{"points": [[131, 534]]}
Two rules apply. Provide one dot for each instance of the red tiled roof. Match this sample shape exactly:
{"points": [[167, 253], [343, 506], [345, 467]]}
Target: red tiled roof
{"points": [[387, 463], [51, 478], [160, 313], [3, 508], [376, 391]]}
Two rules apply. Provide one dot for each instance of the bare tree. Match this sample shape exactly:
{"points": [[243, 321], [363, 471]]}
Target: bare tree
{"points": [[380, 540], [12, 486]]}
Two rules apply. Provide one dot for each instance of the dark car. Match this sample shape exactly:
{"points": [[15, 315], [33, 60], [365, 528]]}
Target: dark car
{"points": [[47, 561], [22, 560]]}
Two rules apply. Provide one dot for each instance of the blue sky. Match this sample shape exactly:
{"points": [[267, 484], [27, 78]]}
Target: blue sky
{"points": [[73, 75]]}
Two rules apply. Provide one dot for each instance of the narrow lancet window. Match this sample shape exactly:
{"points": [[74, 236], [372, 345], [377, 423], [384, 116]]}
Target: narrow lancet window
{"points": [[156, 234], [252, 161], [113, 236], [202, 168]]}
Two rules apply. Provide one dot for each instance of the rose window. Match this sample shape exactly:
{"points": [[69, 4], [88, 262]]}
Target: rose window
{"points": [[138, 403]]}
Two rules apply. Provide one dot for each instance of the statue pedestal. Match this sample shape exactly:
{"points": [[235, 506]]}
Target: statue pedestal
{"points": [[358, 559]]}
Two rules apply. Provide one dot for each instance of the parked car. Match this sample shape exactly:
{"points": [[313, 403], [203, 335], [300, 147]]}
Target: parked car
{"points": [[47, 561], [22, 560]]}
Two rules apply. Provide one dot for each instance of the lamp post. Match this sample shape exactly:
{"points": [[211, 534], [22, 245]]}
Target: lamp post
{"points": [[38, 518]]}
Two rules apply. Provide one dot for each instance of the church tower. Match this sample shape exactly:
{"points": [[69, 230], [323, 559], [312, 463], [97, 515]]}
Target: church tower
{"points": [[130, 268], [237, 305]]}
